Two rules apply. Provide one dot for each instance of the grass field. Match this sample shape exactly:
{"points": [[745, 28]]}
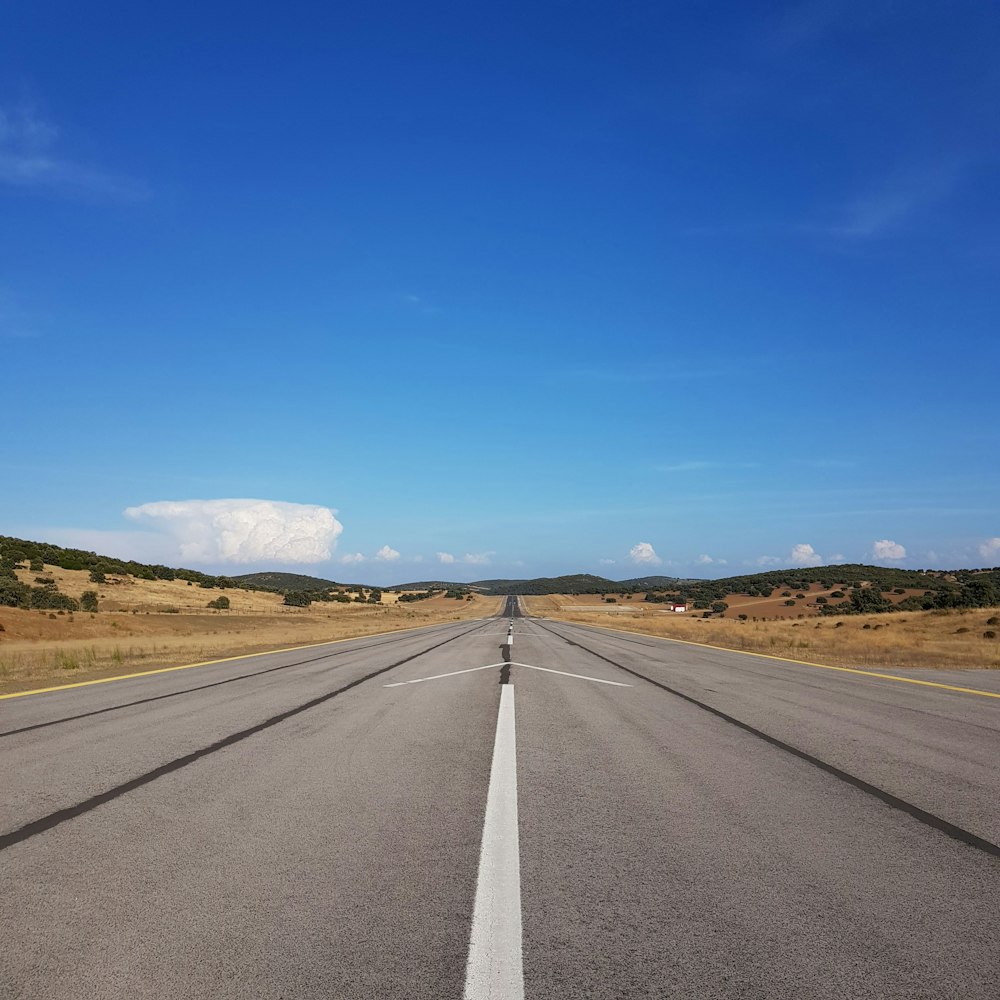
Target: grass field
{"points": [[932, 639], [144, 624]]}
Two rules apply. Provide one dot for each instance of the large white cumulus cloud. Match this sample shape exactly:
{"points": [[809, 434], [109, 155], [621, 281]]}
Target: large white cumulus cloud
{"points": [[244, 531]]}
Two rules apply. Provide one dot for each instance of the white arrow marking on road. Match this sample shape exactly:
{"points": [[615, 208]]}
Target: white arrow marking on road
{"points": [[527, 666], [495, 969], [581, 677], [438, 677]]}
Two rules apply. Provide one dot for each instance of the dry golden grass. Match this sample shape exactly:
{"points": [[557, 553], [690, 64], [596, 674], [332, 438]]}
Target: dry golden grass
{"points": [[934, 639], [135, 631]]}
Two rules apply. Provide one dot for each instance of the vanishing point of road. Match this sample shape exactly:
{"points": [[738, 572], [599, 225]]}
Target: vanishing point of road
{"points": [[503, 808]]}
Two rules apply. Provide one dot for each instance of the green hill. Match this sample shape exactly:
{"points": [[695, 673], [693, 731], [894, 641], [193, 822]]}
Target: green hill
{"points": [[282, 582]]}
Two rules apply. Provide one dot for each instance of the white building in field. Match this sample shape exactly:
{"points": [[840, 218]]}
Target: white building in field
{"points": [[678, 606]]}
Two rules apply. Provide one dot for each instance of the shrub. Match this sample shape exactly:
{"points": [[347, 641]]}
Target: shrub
{"points": [[48, 598], [13, 593], [720, 607], [220, 604], [868, 599], [821, 600], [88, 600], [790, 604], [786, 593], [297, 599], [838, 593], [959, 631], [994, 620], [800, 597], [36, 566], [989, 634], [97, 576], [742, 618]]}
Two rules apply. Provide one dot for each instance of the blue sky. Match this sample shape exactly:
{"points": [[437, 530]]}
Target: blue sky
{"points": [[538, 288]]}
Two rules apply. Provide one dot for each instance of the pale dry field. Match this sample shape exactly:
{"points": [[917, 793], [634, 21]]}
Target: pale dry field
{"points": [[932, 639], [134, 630]]}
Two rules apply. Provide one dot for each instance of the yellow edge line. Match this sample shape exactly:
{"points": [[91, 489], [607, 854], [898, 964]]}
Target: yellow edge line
{"points": [[785, 659], [225, 659]]}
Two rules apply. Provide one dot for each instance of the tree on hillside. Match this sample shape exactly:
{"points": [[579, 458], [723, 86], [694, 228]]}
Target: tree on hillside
{"points": [[868, 600]]}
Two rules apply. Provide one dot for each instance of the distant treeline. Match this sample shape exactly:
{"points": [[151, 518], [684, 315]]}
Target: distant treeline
{"points": [[958, 589]]}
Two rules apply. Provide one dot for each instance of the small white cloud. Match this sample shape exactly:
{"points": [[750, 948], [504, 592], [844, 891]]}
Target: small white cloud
{"points": [[990, 549], [804, 554], [445, 557], [386, 554], [477, 558], [837, 557], [244, 531], [355, 557], [768, 561], [888, 549], [642, 553], [606, 562], [704, 560]]}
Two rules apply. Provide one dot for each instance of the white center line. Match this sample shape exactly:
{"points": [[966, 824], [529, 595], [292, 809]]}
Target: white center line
{"points": [[494, 970]]}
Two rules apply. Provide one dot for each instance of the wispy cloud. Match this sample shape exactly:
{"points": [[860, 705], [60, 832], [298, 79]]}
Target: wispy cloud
{"points": [[698, 465], [31, 158], [643, 374], [896, 202], [804, 24]]}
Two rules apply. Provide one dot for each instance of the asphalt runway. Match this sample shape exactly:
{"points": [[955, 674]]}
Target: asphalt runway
{"points": [[503, 809]]}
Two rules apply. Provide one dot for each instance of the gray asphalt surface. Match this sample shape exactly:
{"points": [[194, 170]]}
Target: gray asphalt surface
{"points": [[286, 826]]}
